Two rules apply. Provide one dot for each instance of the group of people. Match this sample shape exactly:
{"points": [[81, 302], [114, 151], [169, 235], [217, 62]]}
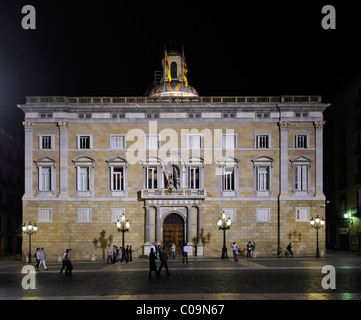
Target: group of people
{"points": [[67, 264], [119, 254], [247, 252], [40, 256], [158, 250]]}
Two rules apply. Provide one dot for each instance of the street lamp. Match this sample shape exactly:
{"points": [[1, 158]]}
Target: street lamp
{"points": [[224, 224], [30, 230], [317, 224], [123, 226]]}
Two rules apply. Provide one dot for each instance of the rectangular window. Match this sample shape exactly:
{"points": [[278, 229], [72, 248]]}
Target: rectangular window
{"points": [[194, 141], [230, 213], [151, 177], [228, 179], [301, 178], [116, 214], [193, 177], [46, 142], [152, 141], [45, 179], [263, 215], [84, 142], [117, 142], [83, 179], [302, 214], [229, 141], [262, 141], [262, 178], [45, 215], [84, 215], [117, 179], [301, 141]]}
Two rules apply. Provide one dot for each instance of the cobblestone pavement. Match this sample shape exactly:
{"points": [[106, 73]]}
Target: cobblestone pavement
{"points": [[265, 278]]}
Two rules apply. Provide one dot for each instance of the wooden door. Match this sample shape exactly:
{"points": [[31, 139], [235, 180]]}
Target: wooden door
{"points": [[173, 232]]}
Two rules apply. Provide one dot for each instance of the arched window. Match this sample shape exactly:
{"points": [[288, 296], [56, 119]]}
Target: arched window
{"points": [[173, 70]]}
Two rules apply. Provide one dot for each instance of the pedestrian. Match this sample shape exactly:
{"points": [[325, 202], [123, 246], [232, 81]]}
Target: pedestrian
{"points": [[120, 256], [127, 253], [114, 253], [173, 250], [235, 251], [109, 254], [69, 265], [185, 253], [249, 249], [37, 258], [130, 254], [253, 248], [163, 262], [289, 248], [42, 257], [154, 250], [124, 257], [152, 264], [64, 261], [158, 247]]}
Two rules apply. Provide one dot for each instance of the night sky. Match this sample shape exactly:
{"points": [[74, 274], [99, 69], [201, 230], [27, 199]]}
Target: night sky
{"points": [[82, 48]]}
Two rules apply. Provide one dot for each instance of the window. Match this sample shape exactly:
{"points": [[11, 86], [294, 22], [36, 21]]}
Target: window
{"points": [[46, 141], [302, 214], [117, 142], [84, 215], [230, 213], [117, 178], [173, 70], [116, 213], [44, 178], [150, 177], [46, 175], [83, 179], [229, 141], [194, 141], [84, 141], [301, 175], [193, 177], [301, 141], [263, 215], [228, 179], [262, 141], [45, 215], [152, 141], [262, 178]]}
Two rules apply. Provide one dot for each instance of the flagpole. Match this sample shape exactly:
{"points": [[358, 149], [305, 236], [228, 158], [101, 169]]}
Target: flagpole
{"points": [[164, 70], [182, 71]]}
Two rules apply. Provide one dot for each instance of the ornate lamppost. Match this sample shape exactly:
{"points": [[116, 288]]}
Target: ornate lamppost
{"points": [[123, 227], [317, 224], [224, 224], [30, 230]]}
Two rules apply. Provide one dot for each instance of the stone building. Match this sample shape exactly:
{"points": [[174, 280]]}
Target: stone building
{"points": [[172, 162]]}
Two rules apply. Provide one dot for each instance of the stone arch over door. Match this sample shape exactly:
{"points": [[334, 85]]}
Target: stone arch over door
{"points": [[173, 232]]}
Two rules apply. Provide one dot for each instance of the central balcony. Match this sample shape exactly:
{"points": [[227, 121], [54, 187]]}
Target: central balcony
{"points": [[173, 193]]}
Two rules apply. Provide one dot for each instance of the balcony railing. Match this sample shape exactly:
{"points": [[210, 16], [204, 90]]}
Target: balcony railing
{"points": [[173, 194], [156, 100]]}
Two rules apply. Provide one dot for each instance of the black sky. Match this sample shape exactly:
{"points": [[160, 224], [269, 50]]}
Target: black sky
{"points": [[112, 48]]}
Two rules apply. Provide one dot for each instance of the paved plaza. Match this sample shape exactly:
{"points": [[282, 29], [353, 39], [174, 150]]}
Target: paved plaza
{"points": [[263, 278]]}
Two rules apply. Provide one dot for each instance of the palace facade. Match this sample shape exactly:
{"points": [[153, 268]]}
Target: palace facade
{"points": [[172, 162]]}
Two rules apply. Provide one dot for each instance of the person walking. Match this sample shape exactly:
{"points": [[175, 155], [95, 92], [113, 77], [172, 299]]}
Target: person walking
{"points": [[37, 258], [163, 262], [235, 251], [109, 254], [152, 264], [173, 250], [64, 261], [249, 249], [185, 253], [130, 254], [69, 265], [42, 257]]}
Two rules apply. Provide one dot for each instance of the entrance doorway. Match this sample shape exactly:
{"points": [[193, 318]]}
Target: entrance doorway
{"points": [[173, 232]]}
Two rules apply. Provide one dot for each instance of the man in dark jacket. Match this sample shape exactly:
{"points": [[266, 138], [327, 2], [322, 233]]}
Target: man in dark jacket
{"points": [[163, 262], [152, 264]]}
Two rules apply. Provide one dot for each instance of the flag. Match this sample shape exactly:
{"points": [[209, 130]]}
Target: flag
{"points": [[167, 66], [185, 70], [175, 177]]}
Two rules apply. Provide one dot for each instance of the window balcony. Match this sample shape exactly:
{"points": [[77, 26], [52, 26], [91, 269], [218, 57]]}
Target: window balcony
{"points": [[173, 193]]}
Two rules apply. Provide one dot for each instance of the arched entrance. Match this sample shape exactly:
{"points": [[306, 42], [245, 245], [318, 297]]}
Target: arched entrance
{"points": [[173, 232]]}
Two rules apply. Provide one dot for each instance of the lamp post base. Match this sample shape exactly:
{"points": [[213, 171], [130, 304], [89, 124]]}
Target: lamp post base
{"points": [[224, 253]]}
